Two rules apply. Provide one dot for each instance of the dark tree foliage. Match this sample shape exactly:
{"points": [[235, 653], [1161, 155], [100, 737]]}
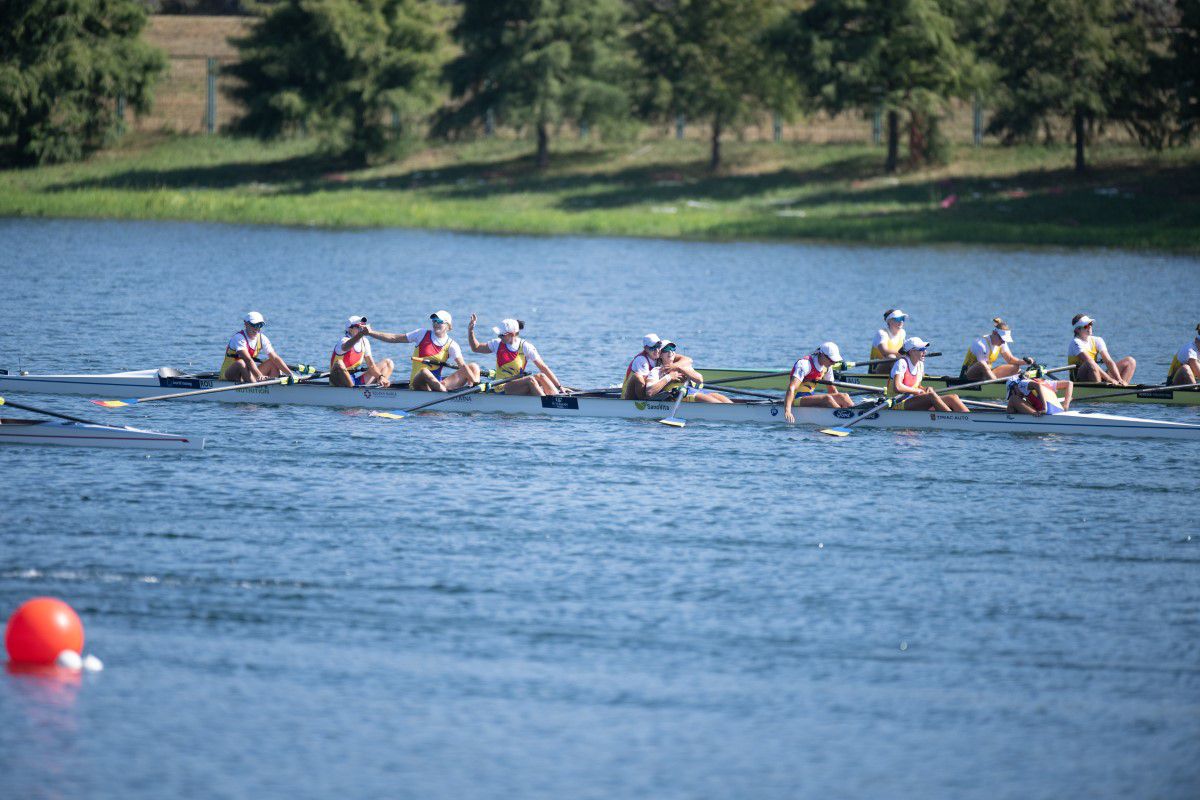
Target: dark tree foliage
{"points": [[64, 64], [359, 74], [537, 63], [709, 60], [904, 56]]}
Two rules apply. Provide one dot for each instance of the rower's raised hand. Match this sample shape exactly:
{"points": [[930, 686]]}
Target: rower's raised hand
{"points": [[474, 319]]}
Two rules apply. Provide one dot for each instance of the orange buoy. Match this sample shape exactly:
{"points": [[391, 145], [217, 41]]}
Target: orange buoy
{"points": [[41, 629]]}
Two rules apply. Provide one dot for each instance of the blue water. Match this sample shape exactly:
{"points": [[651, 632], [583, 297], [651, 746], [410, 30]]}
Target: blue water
{"points": [[324, 603]]}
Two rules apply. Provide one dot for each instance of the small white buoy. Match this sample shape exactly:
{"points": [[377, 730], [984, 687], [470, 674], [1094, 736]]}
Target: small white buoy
{"points": [[903, 646], [69, 659], [820, 545], [92, 664]]}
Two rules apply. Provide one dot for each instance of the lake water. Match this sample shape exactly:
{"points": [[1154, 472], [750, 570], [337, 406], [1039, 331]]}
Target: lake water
{"points": [[326, 604]]}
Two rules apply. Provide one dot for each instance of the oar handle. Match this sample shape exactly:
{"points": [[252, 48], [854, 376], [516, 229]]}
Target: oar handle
{"points": [[67, 417]]}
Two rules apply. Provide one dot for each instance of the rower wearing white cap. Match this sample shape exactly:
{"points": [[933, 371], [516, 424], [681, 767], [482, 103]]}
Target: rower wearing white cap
{"points": [[352, 363], [643, 376], [685, 378], [249, 356], [987, 350], [905, 381], [433, 350], [1031, 394], [1185, 365], [802, 386], [888, 340], [1087, 351], [513, 356]]}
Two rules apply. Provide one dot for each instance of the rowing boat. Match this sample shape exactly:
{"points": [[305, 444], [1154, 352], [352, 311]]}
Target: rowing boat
{"points": [[75, 434], [1083, 391], [143, 382]]}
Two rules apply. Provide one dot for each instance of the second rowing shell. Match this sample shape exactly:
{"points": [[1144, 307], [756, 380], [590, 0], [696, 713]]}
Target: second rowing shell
{"points": [[142, 383]]}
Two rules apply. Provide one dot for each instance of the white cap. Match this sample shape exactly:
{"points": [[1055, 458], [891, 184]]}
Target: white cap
{"points": [[1005, 336], [830, 351], [1083, 322], [444, 316], [253, 318], [507, 326], [357, 321], [650, 341], [665, 343], [914, 343], [897, 314]]}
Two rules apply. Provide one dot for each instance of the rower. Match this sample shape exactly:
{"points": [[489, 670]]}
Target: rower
{"points": [[802, 388], [987, 350], [905, 382], [433, 350], [686, 379], [352, 363], [643, 376], [1032, 394], [513, 355], [249, 356], [1086, 351], [1185, 365], [888, 340]]}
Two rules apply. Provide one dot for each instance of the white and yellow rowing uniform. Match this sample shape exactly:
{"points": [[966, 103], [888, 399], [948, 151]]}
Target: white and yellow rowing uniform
{"points": [[808, 371], [982, 351], [644, 366], [1093, 345], [512, 362], [884, 338], [1182, 356], [433, 351], [906, 373], [258, 347]]}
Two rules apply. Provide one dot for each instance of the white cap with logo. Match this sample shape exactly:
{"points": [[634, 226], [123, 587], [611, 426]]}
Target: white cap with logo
{"points": [[253, 318], [354, 322], [507, 326], [830, 351], [651, 341], [914, 343], [443, 315]]}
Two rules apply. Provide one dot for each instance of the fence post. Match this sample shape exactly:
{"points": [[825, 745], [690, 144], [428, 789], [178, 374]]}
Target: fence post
{"points": [[977, 121], [877, 126], [489, 123], [777, 127], [679, 123], [211, 114]]}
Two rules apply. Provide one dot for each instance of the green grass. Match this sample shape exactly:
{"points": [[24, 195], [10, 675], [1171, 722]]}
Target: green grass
{"points": [[1011, 196]]}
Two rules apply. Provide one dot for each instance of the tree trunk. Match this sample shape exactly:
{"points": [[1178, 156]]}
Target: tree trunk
{"points": [[543, 146], [714, 162], [893, 141], [1080, 138]]}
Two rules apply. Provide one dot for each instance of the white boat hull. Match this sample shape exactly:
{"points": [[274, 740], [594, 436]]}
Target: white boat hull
{"points": [[144, 383], [75, 434]]}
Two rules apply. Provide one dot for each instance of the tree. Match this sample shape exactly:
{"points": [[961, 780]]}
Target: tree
{"points": [[708, 60], [1186, 49], [904, 56], [64, 67], [1062, 58], [359, 74], [537, 63]]}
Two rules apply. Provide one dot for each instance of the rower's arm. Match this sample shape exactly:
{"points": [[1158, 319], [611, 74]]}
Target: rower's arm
{"points": [[475, 345], [390, 338], [1113, 370], [1019, 405], [356, 338], [789, 398], [654, 388], [542, 368], [900, 388]]}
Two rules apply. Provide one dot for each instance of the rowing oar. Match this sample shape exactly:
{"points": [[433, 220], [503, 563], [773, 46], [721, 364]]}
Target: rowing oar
{"points": [[286, 380], [838, 367], [1136, 391], [672, 421], [483, 387], [844, 430], [67, 417]]}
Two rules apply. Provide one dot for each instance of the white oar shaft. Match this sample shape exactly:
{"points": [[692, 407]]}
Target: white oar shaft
{"points": [[284, 381]]}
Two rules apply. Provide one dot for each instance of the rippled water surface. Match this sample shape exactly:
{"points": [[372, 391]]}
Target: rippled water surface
{"points": [[326, 604]]}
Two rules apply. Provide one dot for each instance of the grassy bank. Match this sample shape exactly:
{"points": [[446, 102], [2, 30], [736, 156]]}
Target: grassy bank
{"points": [[989, 195]]}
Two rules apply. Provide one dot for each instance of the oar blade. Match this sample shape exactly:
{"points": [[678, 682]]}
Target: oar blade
{"points": [[673, 422], [838, 432], [389, 414], [110, 403]]}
